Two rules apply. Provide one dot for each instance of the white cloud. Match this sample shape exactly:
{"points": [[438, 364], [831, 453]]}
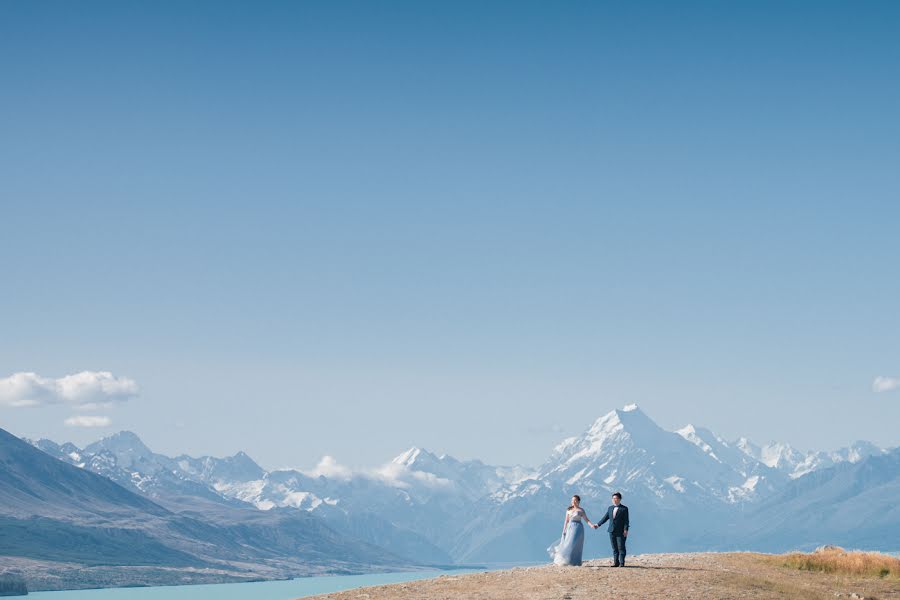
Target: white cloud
{"points": [[87, 389], [329, 467], [402, 476], [392, 474], [88, 421], [885, 384]]}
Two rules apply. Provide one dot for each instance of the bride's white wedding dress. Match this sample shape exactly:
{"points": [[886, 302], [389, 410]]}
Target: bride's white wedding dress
{"points": [[570, 547]]}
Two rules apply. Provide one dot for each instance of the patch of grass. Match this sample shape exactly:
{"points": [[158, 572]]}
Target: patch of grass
{"points": [[771, 589], [832, 559]]}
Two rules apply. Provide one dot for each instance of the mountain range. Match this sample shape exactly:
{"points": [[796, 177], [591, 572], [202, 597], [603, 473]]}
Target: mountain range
{"points": [[688, 489]]}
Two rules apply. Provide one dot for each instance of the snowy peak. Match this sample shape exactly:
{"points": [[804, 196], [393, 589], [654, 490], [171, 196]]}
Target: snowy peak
{"points": [[859, 450], [758, 478], [747, 447], [416, 458], [629, 420], [241, 466], [780, 456], [703, 438], [471, 478], [419, 459], [625, 449], [237, 468], [67, 452], [126, 446], [619, 447], [605, 426], [784, 458]]}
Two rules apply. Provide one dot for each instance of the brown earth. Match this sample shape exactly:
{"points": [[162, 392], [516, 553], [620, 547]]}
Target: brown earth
{"points": [[701, 575]]}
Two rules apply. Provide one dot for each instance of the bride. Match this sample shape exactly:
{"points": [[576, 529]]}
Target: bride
{"points": [[568, 550]]}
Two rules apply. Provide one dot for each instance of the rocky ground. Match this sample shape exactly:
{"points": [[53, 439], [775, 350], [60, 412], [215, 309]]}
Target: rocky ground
{"points": [[669, 576]]}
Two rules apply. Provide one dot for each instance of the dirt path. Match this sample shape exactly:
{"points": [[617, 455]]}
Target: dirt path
{"points": [[667, 576]]}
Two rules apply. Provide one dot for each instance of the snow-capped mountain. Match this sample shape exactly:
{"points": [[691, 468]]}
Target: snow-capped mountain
{"points": [[667, 474], [792, 462], [759, 477], [626, 449], [852, 503], [440, 509], [472, 478], [239, 467]]}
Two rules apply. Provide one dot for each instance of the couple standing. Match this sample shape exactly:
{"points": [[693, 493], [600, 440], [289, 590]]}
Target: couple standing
{"points": [[570, 547]]}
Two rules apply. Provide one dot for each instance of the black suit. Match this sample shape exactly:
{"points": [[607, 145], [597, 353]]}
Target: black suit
{"points": [[618, 528]]}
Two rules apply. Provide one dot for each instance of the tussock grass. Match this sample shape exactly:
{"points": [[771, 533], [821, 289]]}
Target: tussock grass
{"points": [[832, 559]]}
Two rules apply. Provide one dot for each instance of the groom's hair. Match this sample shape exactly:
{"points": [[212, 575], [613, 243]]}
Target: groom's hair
{"points": [[617, 495]]}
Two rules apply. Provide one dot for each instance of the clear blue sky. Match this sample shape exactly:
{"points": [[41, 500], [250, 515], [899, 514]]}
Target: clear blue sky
{"points": [[345, 228]]}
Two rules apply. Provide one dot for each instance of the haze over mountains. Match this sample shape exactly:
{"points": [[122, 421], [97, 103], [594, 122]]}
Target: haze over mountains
{"points": [[687, 490]]}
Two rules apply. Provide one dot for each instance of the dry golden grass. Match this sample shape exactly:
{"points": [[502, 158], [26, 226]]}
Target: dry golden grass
{"points": [[832, 559]]}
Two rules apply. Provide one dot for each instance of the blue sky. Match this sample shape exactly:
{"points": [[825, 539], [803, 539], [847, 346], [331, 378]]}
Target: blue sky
{"points": [[345, 228]]}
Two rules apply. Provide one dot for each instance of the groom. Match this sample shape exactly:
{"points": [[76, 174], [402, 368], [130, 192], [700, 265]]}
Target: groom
{"points": [[617, 515]]}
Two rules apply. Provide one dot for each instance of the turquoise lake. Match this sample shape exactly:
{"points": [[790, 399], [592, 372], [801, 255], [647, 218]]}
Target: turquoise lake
{"points": [[262, 590]]}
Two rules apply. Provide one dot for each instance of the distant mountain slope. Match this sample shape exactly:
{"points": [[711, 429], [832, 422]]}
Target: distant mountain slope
{"points": [[856, 505], [230, 487], [34, 484]]}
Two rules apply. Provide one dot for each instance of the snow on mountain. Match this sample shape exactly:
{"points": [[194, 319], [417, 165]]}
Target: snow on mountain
{"points": [[758, 477], [424, 504], [852, 503], [67, 452], [626, 449], [127, 448], [792, 462], [237, 468], [472, 478], [781, 456], [852, 454]]}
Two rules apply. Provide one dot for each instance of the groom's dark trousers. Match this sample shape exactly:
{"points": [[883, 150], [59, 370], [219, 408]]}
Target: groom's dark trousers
{"points": [[618, 527], [617, 540]]}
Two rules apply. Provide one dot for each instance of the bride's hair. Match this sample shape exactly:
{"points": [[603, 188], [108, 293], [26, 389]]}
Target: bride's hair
{"points": [[577, 497]]}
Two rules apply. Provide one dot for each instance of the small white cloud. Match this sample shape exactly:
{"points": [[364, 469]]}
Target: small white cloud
{"points": [[401, 476], [88, 389], [88, 421], [329, 467], [885, 384], [392, 474]]}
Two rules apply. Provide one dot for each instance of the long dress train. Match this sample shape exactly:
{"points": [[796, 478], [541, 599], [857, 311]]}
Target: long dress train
{"points": [[570, 548]]}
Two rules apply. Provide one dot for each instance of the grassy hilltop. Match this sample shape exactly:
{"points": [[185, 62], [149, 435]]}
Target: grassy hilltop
{"points": [[829, 573]]}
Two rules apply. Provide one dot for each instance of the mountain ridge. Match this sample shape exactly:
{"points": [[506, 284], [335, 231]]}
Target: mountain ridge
{"points": [[406, 503]]}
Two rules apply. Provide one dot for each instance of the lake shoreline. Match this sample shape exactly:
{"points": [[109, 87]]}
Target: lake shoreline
{"points": [[282, 589], [51, 576]]}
